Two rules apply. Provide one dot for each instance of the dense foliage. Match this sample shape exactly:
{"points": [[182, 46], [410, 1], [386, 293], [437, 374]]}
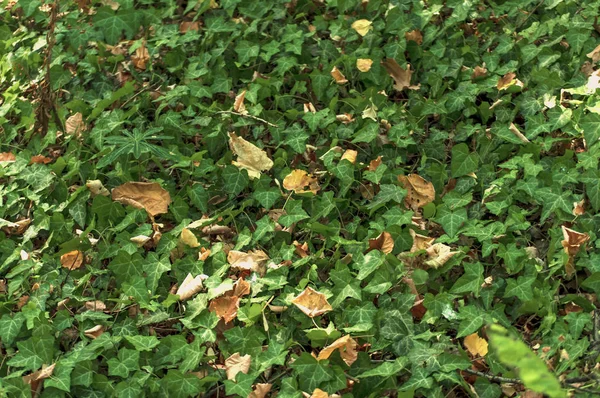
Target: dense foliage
{"points": [[362, 198]]}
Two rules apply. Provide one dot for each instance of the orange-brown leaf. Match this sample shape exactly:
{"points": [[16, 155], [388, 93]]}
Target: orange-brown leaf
{"points": [[225, 307], [298, 180], [72, 260], [338, 76], [143, 195], [345, 345], [420, 192], [312, 303], [400, 75], [414, 35], [384, 243]]}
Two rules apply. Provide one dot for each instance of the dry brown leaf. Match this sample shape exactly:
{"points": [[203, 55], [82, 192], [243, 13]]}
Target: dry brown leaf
{"points": [[74, 125], [95, 305], [190, 286], [439, 254], [344, 118], [254, 261], [17, 228], [364, 64], [593, 82], [345, 345], [479, 71], [72, 260], [579, 208], [297, 180], [250, 157], [189, 25], [338, 76], [312, 303], [238, 104], [96, 188], [400, 75], [476, 345], [143, 195], [95, 332], [414, 35], [236, 364], [301, 249], [594, 54], [35, 379], [260, 390], [384, 243], [188, 238], [240, 288], [572, 241], [204, 254], [350, 155], [420, 192], [420, 242], [141, 57], [507, 81], [7, 157], [225, 307], [40, 159], [318, 393], [374, 164], [362, 26]]}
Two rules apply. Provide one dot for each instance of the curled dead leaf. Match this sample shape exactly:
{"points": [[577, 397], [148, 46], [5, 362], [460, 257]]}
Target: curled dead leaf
{"points": [[236, 364], [476, 345], [345, 118], [260, 390], [572, 242], [594, 54], [345, 345], [72, 260], [309, 108], [384, 243], [420, 192], [36, 378], [479, 71], [297, 180], [301, 249], [187, 26], [374, 164], [338, 76], [579, 208], [143, 195], [439, 254], [364, 64], [312, 303], [370, 112], [40, 159], [95, 305], [250, 157], [254, 261], [7, 157], [190, 286], [238, 104], [362, 26], [96, 188], [95, 332], [420, 242], [140, 240], [414, 35], [400, 75], [188, 238], [141, 57], [74, 125], [507, 81]]}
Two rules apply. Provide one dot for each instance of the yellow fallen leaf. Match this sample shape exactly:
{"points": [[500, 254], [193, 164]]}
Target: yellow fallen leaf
{"points": [[370, 112], [400, 75], [476, 345], [72, 260], [439, 254], [420, 242], [318, 393], [236, 364], [420, 192], [143, 195], [345, 345], [364, 64], [250, 157], [190, 286], [384, 243], [362, 26], [350, 155], [188, 238], [297, 180], [312, 303], [338, 76]]}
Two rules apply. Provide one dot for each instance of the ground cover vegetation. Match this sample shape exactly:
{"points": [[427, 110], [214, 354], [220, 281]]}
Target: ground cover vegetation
{"points": [[308, 198]]}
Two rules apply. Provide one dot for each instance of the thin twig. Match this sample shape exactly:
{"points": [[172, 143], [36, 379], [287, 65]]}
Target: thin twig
{"points": [[246, 115], [491, 377]]}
